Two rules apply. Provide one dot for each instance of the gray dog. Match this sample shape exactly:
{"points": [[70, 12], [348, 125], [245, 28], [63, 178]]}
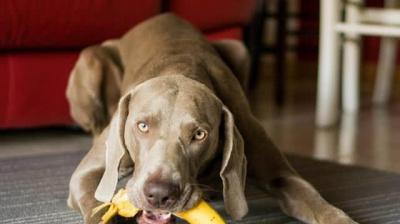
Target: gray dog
{"points": [[167, 104]]}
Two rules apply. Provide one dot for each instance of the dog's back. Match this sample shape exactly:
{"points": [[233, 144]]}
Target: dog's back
{"points": [[172, 46]]}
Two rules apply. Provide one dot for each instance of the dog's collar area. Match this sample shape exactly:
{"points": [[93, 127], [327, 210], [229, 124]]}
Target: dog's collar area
{"points": [[152, 217]]}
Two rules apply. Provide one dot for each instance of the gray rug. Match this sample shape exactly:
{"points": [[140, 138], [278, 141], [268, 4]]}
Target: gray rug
{"points": [[34, 190]]}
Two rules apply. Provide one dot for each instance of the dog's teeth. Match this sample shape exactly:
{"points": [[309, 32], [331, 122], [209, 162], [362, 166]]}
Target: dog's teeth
{"points": [[157, 215], [166, 215]]}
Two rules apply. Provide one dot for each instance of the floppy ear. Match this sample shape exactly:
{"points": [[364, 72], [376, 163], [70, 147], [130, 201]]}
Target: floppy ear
{"points": [[115, 150], [233, 169], [92, 103]]}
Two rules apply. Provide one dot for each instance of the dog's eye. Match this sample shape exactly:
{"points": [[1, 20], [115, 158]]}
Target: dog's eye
{"points": [[200, 135], [143, 127]]}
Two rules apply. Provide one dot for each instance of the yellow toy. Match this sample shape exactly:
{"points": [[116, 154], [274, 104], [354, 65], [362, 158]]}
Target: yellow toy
{"points": [[203, 213]]}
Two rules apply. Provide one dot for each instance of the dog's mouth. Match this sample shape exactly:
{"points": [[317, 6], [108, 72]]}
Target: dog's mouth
{"points": [[152, 217], [149, 216]]}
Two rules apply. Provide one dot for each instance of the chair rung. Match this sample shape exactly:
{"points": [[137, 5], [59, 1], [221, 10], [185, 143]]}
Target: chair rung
{"points": [[368, 29], [381, 16]]}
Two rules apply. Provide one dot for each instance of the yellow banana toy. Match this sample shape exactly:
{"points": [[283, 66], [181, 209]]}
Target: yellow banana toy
{"points": [[202, 213]]}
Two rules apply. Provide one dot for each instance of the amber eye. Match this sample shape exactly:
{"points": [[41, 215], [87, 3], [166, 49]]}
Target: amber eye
{"points": [[143, 127], [200, 135]]}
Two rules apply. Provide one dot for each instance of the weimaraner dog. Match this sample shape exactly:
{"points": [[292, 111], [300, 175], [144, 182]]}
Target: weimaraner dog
{"points": [[167, 106]]}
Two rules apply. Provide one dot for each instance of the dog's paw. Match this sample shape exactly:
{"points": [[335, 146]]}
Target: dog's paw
{"points": [[333, 215], [89, 219]]}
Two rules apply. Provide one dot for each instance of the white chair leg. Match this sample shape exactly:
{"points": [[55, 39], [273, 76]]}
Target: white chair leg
{"points": [[351, 62], [350, 75], [328, 77]]}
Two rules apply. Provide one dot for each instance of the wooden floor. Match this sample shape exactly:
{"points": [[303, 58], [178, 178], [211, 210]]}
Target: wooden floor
{"points": [[370, 139]]}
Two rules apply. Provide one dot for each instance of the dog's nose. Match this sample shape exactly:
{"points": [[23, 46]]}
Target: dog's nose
{"points": [[161, 194]]}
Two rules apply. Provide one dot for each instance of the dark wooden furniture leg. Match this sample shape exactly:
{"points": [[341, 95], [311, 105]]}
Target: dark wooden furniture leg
{"points": [[280, 72], [255, 33]]}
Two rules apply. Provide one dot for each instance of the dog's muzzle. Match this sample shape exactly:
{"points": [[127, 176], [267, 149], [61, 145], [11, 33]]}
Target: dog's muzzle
{"points": [[150, 217]]}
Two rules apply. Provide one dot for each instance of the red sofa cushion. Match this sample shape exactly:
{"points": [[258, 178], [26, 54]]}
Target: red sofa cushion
{"points": [[228, 33], [34, 93], [68, 23], [211, 15], [49, 24]]}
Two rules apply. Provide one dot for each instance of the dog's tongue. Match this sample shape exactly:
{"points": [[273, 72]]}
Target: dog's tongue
{"points": [[148, 217]]}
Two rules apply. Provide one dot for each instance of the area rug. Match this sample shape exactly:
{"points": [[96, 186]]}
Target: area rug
{"points": [[34, 190]]}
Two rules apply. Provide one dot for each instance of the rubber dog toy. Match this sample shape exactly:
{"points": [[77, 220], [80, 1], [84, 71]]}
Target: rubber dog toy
{"points": [[202, 213]]}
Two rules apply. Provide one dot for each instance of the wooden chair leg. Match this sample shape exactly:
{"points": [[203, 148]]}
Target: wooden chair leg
{"points": [[255, 35], [280, 72]]}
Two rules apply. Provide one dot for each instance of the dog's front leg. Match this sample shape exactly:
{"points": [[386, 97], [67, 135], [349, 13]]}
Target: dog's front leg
{"points": [[297, 198], [85, 179]]}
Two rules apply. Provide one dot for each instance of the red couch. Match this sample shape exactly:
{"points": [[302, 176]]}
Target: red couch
{"points": [[40, 41]]}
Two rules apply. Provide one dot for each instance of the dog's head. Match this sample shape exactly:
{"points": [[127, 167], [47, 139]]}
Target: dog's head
{"points": [[172, 127]]}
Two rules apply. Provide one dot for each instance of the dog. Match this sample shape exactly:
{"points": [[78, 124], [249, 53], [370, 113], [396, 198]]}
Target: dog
{"points": [[167, 106]]}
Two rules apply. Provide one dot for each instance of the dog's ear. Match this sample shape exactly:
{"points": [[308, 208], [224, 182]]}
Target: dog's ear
{"points": [[233, 169], [115, 151], [92, 103]]}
